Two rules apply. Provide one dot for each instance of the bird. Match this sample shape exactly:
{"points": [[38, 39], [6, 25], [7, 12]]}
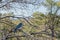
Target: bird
{"points": [[18, 27]]}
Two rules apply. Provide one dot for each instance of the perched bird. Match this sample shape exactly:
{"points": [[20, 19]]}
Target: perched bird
{"points": [[18, 26]]}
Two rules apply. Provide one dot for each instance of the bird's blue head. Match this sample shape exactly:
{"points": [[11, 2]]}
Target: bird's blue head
{"points": [[21, 23]]}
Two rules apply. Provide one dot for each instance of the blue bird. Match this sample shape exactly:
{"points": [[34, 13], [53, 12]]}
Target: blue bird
{"points": [[18, 26]]}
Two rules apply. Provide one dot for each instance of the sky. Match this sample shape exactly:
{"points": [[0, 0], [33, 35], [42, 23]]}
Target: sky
{"points": [[27, 10]]}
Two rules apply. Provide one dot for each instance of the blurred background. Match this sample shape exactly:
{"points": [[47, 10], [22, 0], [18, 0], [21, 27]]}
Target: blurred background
{"points": [[40, 19]]}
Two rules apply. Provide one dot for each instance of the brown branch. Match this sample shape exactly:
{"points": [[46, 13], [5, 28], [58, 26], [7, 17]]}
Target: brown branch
{"points": [[35, 33], [5, 23], [19, 18], [5, 4], [15, 36], [57, 10], [9, 22]]}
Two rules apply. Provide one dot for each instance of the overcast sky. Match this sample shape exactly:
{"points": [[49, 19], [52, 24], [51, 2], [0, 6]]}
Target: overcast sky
{"points": [[17, 8], [27, 10]]}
